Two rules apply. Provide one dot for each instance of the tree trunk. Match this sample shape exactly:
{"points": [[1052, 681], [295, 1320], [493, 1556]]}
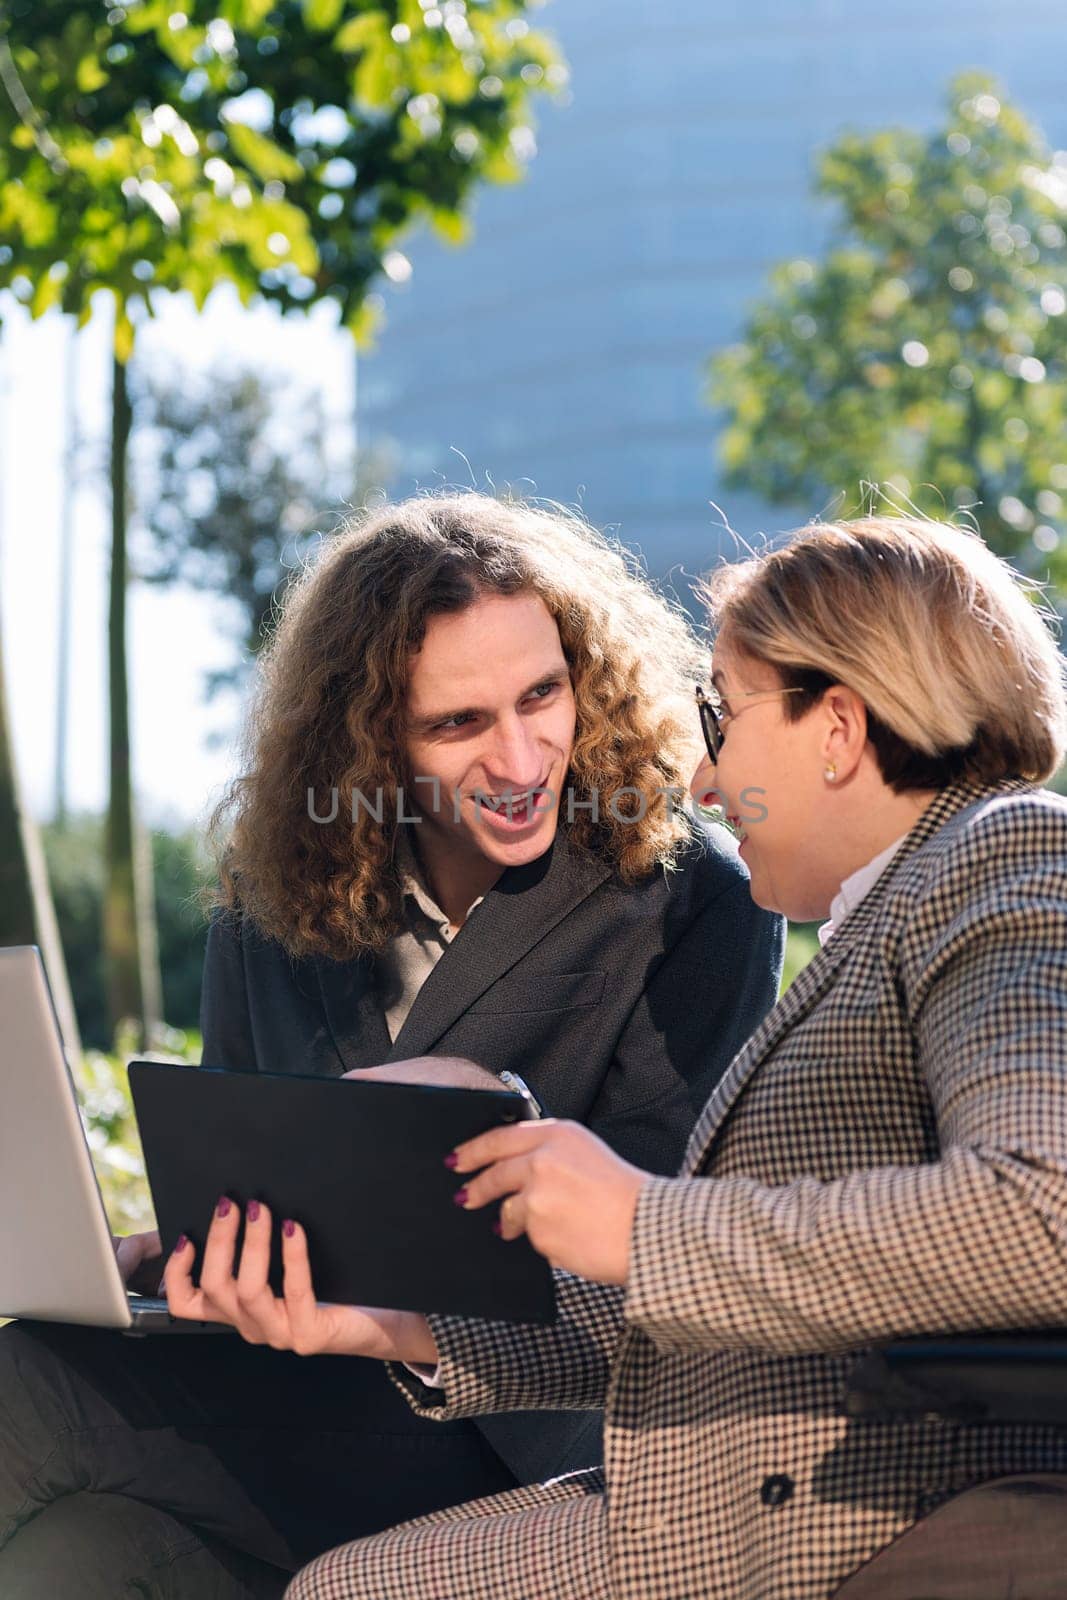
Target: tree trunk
{"points": [[68, 490], [132, 976], [18, 923], [26, 912]]}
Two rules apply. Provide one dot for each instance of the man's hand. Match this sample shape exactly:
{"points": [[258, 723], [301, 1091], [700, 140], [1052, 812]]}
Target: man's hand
{"points": [[454, 1071], [571, 1195], [244, 1300], [139, 1260]]}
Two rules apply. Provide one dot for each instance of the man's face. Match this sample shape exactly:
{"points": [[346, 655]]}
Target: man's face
{"points": [[490, 712]]}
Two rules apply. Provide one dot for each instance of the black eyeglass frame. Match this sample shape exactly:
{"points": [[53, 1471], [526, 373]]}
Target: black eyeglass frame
{"points": [[711, 716], [710, 724]]}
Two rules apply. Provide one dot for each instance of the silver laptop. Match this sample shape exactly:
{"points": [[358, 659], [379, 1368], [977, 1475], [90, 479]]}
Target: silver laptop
{"points": [[57, 1262]]}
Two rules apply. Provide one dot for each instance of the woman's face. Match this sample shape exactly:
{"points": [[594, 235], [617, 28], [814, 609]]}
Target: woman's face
{"points": [[769, 781]]}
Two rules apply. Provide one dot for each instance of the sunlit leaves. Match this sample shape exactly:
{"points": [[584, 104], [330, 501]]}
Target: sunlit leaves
{"points": [[148, 16], [247, 15], [124, 331], [368, 30], [926, 349], [262, 156], [26, 216], [451, 226], [46, 294], [202, 142], [90, 75], [322, 16]]}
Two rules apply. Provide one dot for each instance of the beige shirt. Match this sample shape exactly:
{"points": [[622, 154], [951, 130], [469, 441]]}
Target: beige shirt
{"points": [[413, 952], [411, 955]]}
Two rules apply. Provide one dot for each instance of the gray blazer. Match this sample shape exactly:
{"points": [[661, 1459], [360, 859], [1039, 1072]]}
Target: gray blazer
{"points": [[586, 987], [886, 1156]]}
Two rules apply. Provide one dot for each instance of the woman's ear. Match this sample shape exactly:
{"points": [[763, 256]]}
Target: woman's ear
{"points": [[844, 731]]}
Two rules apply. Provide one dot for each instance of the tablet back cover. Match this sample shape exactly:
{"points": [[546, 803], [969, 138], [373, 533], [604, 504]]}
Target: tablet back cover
{"points": [[359, 1164]]}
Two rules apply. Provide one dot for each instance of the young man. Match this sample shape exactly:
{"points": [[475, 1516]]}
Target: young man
{"points": [[457, 835]]}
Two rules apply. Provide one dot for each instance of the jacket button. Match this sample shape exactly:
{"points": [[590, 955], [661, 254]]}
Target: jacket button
{"points": [[776, 1490]]}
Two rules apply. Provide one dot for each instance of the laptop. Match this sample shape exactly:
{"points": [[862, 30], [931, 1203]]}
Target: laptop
{"points": [[57, 1262]]}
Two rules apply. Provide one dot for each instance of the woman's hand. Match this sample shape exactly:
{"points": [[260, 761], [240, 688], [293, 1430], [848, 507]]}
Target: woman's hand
{"points": [[573, 1197], [296, 1320]]}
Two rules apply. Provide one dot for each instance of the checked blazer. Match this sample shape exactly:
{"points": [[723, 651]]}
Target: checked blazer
{"points": [[886, 1156]]}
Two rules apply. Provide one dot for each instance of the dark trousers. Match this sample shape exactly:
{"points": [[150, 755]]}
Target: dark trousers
{"points": [[198, 1466]]}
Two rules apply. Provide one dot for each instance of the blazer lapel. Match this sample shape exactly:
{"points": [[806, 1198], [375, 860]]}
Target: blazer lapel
{"points": [[353, 1013], [807, 987], [810, 984], [522, 907]]}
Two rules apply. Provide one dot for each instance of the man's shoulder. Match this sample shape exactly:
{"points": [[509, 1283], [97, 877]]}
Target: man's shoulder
{"points": [[234, 939], [711, 855], [704, 866]]}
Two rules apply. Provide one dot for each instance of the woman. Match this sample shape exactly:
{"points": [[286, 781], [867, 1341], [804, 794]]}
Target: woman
{"points": [[887, 1155]]}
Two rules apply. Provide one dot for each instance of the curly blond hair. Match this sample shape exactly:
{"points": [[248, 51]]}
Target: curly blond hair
{"points": [[330, 708]]}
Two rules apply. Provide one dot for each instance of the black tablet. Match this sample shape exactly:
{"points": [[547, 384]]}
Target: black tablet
{"points": [[359, 1164]]}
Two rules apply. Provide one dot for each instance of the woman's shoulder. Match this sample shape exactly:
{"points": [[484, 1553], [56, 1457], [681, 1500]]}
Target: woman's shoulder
{"points": [[1014, 819], [1004, 846]]}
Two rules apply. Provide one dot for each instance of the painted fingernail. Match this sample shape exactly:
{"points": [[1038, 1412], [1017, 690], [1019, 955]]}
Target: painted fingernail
{"points": [[451, 1160], [181, 1244], [288, 1228], [252, 1210], [460, 1197], [498, 1230], [223, 1207]]}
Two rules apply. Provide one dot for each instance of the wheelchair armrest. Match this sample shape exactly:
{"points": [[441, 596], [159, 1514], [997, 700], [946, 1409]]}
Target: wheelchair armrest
{"points": [[996, 1377]]}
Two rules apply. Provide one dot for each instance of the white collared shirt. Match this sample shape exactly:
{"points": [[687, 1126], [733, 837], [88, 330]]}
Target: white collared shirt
{"points": [[855, 887]]}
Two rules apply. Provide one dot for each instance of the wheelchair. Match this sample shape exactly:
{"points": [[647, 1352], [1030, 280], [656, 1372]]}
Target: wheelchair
{"points": [[1001, 1540]]}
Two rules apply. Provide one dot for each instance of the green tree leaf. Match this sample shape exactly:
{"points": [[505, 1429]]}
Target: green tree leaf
{"points": [[361, 31], [321, 16], [90, 75], [261, 155]]}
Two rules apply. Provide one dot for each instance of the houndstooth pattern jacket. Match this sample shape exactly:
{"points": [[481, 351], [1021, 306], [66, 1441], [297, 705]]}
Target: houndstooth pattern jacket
{"points": [[886, 1156]]}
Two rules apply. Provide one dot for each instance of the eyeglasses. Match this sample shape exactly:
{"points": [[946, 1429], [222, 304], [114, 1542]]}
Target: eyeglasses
{"points": [[713, 719]]}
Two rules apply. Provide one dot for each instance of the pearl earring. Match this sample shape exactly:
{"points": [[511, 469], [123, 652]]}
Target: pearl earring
{"points": [[830, 773]]}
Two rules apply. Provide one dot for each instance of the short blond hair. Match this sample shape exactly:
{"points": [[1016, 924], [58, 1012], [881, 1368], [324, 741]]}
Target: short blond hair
{"points": [[950, 650]]}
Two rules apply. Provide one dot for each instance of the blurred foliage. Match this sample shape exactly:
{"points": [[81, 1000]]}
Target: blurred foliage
{"points": [[111, 1129], [802, 942], [926, 352], [154, 144], [74, 852], [231, 491]]}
